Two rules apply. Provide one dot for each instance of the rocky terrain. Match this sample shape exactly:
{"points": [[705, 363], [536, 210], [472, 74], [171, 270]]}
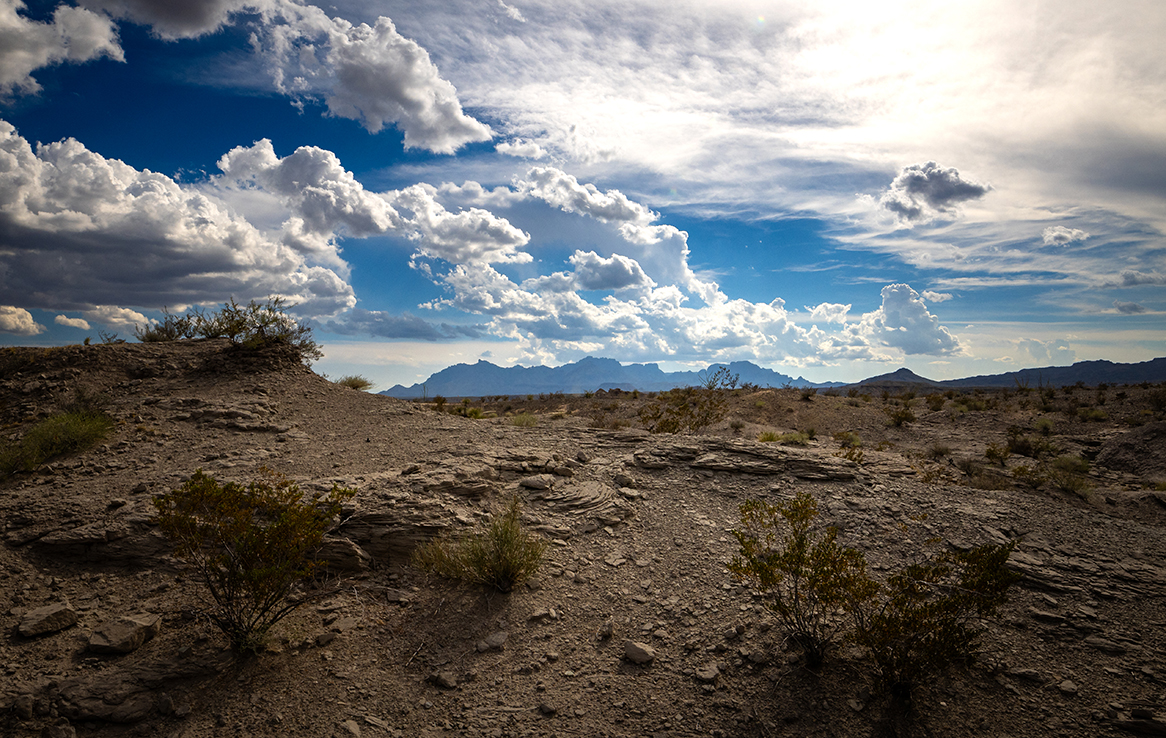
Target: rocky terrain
{"points": [[634, 627]]}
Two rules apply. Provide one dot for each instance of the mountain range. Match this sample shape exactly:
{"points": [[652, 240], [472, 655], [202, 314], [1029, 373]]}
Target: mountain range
{"points": [[590, 374]]}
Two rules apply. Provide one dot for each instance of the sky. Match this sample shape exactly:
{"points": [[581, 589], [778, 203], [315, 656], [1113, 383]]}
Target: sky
{"points": [[829, 189]]}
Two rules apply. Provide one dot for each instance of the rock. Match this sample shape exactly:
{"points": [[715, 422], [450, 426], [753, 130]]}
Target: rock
{"points": [[341, 554], [546, 709], [606, 630], [443, 679], [1067, 687], [1105, 645], [124, 634], [132, 694], [493, 642], [351, 728], [538, 482], [707, 673], [1142, 727], [47, 619], [638, 653], [61, 730]]}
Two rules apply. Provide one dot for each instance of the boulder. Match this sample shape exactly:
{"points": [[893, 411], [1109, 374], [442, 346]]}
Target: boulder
{"points": [[47, 619], [124, 634]]}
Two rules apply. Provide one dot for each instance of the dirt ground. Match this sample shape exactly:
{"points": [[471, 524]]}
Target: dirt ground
{"points": [[639, 527]]}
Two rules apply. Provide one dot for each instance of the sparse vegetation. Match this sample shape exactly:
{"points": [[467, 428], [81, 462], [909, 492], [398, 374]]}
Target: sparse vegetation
{"points": [[254, 325], [805, 574], [250, 545], [524, 420], [683, 409], [82, 424], [356, 382], [899, 416], [924, 619], [502, 555]]}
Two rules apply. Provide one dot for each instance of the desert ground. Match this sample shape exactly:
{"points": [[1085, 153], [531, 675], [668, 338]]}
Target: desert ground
{"points": [[639, 527]]}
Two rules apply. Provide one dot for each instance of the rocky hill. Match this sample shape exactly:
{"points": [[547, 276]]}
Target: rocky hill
{"points": [[634, 627]]}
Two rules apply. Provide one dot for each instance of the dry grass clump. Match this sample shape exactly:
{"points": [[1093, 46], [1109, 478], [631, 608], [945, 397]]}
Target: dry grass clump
{"points": [[524, 420], [82, 425], [502, 555], [356, 382]]}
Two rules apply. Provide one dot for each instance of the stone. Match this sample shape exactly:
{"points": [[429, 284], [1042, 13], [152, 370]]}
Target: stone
{"points": [[351, 728], [546, 709], [124, 634], [1105, 645], [638, 653], [1067, 687], [606, 630], [47, 619], [61, 730], [538, 482], [443, 679], [707, 673], [493, 642]]}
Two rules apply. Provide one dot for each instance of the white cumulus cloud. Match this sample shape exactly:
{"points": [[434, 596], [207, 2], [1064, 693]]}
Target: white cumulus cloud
{"points": [[904, 322], [81, 230], [72, 322], [19, 321], [74, 35], [371, 74], [593, 272], [1062, 236], [830, 312]]}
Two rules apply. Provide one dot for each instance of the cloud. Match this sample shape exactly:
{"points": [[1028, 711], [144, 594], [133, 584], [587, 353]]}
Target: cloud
{"points": [[1133, 278], [521, 148], [116, 317], [72, 322], [74, 35], [1062, 236], [1054, 352], [174, 20], [406, 325], [1128, 308], [473, 236], [830, 312], [903, 322], [511, 12], [593, 272], [932, 296], [19, 321], [371, 74], [922, 192], [81, 230], [556, 187]]}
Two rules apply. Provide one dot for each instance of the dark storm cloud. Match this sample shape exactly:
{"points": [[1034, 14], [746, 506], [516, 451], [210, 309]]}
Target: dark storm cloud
{"points": [[923, 191], [1128, 308]]}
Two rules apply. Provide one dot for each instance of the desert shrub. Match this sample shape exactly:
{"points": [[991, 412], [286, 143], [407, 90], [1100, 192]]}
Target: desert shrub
{"points": [[1092, 414], [808, 393], [524, 420], [355, 381], [250, 545], [852, 391], [439, 403], [769, 437], [848, 439], [809, 579], [997, 454], [719, 379], [1157, 400], [1068, 474], [935, 402], [82, 424], [938, 451], [899, 416], [502, 555], [737, 425], [683, 409], [924, 619], [1044, 426], [851, 453], [254, 325], [1030, 476], [795, 438]]}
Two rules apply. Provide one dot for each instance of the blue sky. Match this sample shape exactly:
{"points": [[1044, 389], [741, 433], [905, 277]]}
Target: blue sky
{"points": [[830, 189]]}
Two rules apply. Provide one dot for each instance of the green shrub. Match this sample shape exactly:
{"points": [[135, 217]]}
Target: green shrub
{"points": [[808, 393], [249, 545], [808, 578], [899, 416], [938, 451], [355, 381], [935, 402], [769, 437], [438, 403], [1092, 414], [503, 555], [253, 325], [524, 420], [997, 454], [1067, 474], [1044, 426], [683, 409], [66, 433], [848, 439], [924, 619]]}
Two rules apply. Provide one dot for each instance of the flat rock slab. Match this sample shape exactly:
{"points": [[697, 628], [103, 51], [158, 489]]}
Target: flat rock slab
{"points": [[124, 634], [47, 619]]}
